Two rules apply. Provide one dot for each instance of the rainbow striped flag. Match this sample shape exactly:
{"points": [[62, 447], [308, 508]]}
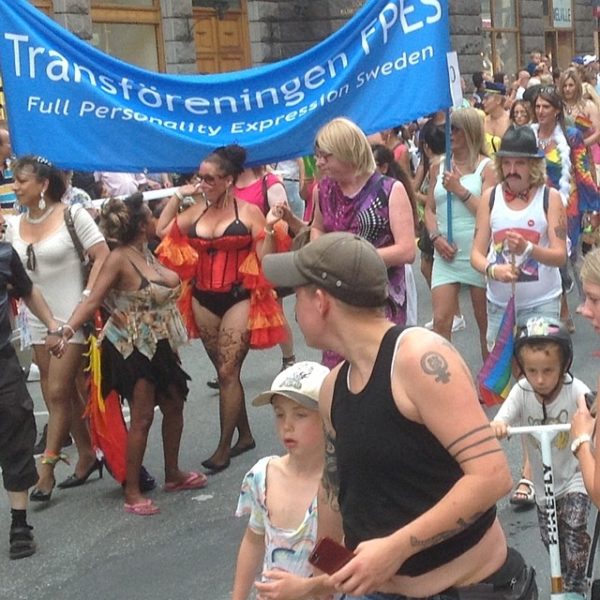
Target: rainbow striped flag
{"points": [[493, 380]]}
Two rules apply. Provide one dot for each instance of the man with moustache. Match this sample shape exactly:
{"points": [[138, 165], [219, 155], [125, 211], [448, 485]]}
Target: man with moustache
{"points": [[525, 222]]}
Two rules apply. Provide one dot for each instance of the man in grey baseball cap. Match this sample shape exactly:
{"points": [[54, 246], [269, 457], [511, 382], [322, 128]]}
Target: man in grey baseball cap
{"points": [[413, 470]]}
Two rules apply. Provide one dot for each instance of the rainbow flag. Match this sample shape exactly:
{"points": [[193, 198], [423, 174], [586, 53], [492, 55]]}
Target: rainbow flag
{"points": [[493, 380]]}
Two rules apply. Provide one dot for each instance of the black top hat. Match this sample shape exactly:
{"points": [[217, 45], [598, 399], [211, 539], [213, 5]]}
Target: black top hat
{"points": [[519, 142]]}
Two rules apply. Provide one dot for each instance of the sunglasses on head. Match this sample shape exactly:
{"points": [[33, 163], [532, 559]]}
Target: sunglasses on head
{"points": [[31, 259]]}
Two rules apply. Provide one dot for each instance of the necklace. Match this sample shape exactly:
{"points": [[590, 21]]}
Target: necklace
{"points": [[543, 143], [145, 254], [41, 218]]}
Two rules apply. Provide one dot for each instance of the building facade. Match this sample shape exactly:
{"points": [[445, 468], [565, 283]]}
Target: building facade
{"points": [[207, 36]]}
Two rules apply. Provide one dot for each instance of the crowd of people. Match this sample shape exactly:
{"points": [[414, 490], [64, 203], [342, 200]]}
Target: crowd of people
{"points": [[408, 468]]}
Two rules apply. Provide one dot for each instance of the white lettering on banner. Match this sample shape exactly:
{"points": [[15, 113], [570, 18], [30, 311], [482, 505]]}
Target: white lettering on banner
{"points": [[391, 15], [388, 68], [28, 59], [87, 109]]}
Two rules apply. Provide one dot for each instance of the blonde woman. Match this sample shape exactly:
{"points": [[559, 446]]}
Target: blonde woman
{"points": [[471, 173], [354, 197]]}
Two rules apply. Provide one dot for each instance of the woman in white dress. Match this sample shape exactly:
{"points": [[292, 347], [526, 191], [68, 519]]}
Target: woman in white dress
{"points": [[47, 249]]}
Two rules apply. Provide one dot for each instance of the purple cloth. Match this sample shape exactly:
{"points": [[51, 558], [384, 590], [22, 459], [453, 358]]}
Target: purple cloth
{"points": [[367, 215]]}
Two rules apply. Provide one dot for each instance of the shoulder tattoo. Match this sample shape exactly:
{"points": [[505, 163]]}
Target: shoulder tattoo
{"points": [[433, 363]]}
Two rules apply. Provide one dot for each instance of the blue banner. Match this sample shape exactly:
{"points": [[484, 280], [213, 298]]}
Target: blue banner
{"points": [[88, 111]]}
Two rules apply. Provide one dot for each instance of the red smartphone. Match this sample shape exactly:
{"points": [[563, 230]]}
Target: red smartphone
{"points": [[329, 556]]}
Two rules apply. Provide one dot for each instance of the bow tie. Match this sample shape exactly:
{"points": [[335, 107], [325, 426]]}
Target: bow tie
{"points": [[509, 196]]}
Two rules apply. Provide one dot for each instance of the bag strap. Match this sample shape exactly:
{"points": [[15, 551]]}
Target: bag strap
{"points": [[73, 233], [265, 195], [492, 198]]}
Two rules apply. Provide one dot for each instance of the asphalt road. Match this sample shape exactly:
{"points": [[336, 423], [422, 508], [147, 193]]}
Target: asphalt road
{"points": [[89, 547]]}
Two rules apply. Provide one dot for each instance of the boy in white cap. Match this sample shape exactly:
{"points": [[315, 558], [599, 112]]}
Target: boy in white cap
{"points": [[282, 529]]}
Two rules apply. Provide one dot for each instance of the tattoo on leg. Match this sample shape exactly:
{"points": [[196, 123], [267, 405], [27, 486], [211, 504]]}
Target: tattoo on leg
{"points": [[433, 363]]}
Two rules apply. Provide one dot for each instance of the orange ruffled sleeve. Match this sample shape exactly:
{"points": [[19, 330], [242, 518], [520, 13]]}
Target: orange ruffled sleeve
{"points": [[265, 321], [176, 253]]}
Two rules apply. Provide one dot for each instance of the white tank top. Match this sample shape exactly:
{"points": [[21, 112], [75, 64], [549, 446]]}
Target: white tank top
{"points": [[537, 283]]}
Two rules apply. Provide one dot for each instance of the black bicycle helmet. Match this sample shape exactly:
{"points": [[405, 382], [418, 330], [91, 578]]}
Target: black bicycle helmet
{"points": [[542, 329]]}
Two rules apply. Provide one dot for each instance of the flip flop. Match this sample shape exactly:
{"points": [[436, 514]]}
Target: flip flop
{"points": [[194, 481], [145, 508]]}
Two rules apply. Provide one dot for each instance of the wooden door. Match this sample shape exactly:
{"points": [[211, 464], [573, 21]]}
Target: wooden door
{"points": [[222, 39]]}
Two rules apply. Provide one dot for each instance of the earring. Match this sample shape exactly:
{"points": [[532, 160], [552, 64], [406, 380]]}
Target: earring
{"points": [[42, 202]]}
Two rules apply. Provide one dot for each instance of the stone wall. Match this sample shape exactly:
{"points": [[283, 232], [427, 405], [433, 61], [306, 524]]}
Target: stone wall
{"points": [[178, 35], [584, 26], [466, 40], [75, 16]]}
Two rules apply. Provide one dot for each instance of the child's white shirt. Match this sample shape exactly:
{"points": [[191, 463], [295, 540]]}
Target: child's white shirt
{"points": [[522, 408]]}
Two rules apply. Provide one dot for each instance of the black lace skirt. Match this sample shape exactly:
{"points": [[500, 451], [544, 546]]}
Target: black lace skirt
{"points": [[121, 374]]}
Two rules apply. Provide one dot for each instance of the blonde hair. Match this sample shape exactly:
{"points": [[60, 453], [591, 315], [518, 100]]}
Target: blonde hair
{"points": [[574, 75], [590, 93], [347, 142], [471, 122], [590, 269], [537, 170]]}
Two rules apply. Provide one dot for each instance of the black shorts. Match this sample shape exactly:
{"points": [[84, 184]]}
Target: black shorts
{"points": [[17, 425], [219, 303]]}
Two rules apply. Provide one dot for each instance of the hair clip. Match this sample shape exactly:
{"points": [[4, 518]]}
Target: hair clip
{"points": [[43, 161]]}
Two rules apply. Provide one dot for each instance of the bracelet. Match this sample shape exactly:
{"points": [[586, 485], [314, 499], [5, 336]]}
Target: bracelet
{"points": [[86, 293], [434, 235], [57, 332], [490, 271], [66, 325], [528, 250], [467, 197], [269, 231], [579, 441], [178, 195]]}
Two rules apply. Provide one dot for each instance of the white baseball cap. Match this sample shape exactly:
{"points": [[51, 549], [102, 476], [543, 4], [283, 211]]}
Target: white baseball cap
{"points": [[301, 383], [588, 59]]}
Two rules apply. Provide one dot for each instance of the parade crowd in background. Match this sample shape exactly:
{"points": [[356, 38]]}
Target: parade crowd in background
{"points": [[388, 449]]}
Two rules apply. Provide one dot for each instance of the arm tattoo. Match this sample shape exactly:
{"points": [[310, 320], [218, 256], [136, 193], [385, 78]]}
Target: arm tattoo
{"points": [[434, 363], [477, 443], [466, 435], [462, 462], [330, 481], [461, 525], [560, 232]]}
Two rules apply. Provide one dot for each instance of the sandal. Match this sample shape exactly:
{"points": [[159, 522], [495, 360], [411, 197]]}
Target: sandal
{"points": [[523, 499], [145, 508], [194, 481]]}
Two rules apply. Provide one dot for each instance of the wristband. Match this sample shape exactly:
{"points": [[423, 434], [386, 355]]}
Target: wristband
{"points": [[57, 332], [467, 197], [434, 235], [178, 195], [528, 250], [86, 293], [490, 271], [269, 232], [67, 326], [579, 441]]}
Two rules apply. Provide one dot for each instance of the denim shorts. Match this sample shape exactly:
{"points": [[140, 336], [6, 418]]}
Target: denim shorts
{"points": [[550, 310]]}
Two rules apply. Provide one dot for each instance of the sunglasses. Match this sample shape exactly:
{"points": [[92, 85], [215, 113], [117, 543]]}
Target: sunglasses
{"points": [[322, 155], [208, 179], [31, 260]]}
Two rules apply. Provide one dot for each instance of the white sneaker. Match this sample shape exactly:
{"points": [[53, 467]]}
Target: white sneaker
{"points": [[34, 373], [429, 325], [458, 323]]}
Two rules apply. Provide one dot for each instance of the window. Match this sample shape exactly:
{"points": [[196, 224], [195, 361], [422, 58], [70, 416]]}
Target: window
{"points": [[558, 26], [129, 30], [500, 36]]}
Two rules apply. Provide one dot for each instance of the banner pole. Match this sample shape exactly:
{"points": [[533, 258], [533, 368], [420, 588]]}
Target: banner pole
{"points": [[447, 167]]}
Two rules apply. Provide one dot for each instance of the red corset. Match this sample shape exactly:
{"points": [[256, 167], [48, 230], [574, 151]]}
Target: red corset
{"points": [[219, 261]]}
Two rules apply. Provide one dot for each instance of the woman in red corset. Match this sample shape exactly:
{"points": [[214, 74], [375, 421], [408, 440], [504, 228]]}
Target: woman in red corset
{"points": [[217, 244]]}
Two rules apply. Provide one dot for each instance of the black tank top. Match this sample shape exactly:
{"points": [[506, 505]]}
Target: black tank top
{"points": [[392, 469]]}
